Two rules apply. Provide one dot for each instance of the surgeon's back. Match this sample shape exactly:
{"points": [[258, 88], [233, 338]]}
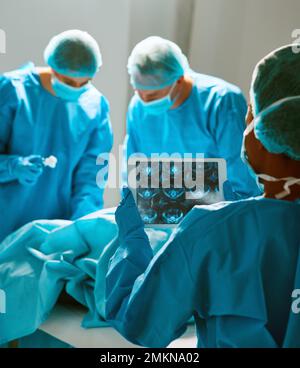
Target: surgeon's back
{"points": [[244, 265]]}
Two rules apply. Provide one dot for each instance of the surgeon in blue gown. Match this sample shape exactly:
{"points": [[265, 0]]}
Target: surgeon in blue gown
{"points": [[53, 111], [178, 111], [234, 266]]}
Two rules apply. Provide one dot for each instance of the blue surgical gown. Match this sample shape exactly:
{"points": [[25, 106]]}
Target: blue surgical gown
{"points": [[210, 122], [233, 266], [33, 121]]}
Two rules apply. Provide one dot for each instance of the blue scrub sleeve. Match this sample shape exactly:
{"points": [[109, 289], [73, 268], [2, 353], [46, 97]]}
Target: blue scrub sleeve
{"points": [[91, 173], [8, 106], [141, 302], [231, 111], [131, 142]]}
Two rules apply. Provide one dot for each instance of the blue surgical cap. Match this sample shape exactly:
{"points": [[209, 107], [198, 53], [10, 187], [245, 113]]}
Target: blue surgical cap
{"points": [[73, 53], [278, 127], [156, 63]]}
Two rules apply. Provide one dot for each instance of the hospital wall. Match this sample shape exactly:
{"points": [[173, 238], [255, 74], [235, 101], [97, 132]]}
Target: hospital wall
{"points": [[230, 36], [221, 37]]}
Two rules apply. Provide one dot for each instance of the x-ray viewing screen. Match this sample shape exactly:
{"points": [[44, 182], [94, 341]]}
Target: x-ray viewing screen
{"points": [[165, 190]]}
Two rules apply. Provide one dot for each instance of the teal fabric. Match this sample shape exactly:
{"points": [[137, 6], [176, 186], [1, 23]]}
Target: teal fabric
{"points": [[43, 257], [232, 265], [40, 339], [34, 122]]}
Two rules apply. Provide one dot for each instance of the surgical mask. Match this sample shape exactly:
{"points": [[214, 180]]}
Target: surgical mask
{"points": [[264, 156], [66, 92], [289, 181], [159, 106]]}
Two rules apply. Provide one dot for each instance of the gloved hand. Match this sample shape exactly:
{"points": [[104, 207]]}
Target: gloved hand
{"points": [[28, 169], [127, 215], [229, 193]]}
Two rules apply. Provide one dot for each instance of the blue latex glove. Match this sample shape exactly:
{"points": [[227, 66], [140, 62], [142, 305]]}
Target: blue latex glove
{"points": [[229, 193], [28, 169], [127, 214]]}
